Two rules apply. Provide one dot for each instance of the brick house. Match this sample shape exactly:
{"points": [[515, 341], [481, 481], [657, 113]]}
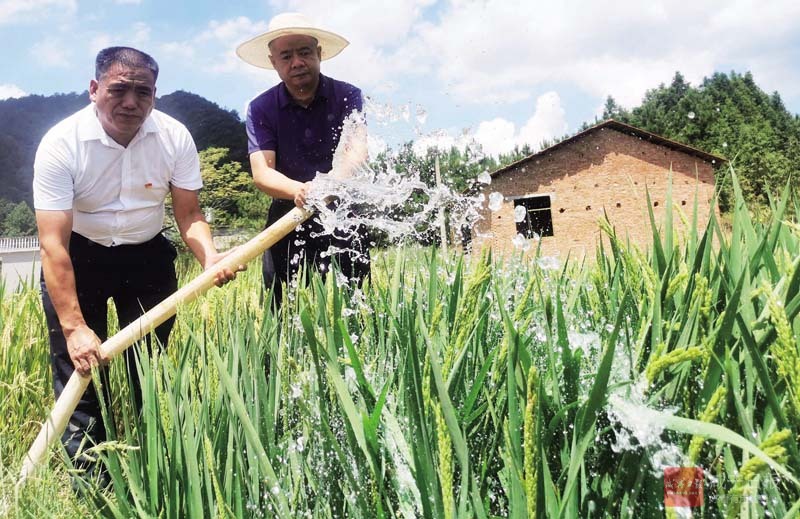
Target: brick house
{"points": [[564, 191]]}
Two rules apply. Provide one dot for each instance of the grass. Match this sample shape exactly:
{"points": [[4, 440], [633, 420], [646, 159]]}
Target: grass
{"points": [[456, 387]]}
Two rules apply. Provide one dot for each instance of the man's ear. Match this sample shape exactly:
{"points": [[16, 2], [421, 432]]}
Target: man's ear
{"points": [[93, 86]]}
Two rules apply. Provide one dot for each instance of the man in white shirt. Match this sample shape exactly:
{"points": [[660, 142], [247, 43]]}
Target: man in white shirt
{"points": [[100, 180]]}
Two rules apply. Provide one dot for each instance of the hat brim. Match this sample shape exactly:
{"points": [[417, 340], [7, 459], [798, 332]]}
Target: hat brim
{"points": [[256, 51]]}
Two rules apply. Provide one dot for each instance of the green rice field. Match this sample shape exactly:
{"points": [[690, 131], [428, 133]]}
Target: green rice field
{"points": [[454, 386]]}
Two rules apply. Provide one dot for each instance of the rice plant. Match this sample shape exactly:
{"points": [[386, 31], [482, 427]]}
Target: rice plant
{"points": [[451, 386]]}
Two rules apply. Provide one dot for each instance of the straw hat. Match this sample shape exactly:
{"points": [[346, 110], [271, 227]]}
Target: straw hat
{"points": [[256, 50]]}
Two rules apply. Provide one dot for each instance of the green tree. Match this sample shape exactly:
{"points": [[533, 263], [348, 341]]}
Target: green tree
{"points": [[20, 221], [229, 191], [5, 207], [730, 116], [611, 110]]}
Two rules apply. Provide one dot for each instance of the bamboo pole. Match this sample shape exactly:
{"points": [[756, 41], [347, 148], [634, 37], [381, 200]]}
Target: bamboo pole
{"points": [[54, 426]]}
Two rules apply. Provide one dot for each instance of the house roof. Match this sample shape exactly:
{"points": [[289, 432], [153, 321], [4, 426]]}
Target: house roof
{"points": [[626, 129]]}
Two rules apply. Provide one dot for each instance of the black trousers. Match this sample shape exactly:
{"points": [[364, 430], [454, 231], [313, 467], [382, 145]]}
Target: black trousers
{"points": [[136, 277], [283, 260]]}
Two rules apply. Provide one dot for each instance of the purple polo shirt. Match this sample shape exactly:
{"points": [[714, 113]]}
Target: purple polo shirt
{"points": [[304, 139]]}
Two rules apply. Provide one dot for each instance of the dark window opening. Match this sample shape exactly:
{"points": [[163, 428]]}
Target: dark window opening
{"points": [[538, 218]]}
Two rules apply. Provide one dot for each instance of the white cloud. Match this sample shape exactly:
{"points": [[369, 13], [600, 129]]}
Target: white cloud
{"points": [[505, 52], [138, 36], [214, 49], [141, 34], [9, 91], [182, 51], [548, 121], [627, 78], [51, 52], [500, 51], [496, 136], [501, 136], [128, 2], [232, 31], [100, 42], [12, 11]]}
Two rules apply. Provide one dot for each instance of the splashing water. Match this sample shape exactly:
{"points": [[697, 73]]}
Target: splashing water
{"points": [[520, 213], [399, 205], [520, 242], [495, 201], [639, 425], [485, 178], [547, 262], [422, 114]]}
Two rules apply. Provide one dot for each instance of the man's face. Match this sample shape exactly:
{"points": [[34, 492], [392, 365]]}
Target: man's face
{"points": [[124, 97], [296, 60]]}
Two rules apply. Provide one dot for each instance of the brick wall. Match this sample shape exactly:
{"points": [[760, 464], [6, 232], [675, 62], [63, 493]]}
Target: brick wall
{"points": [[605, 170]]}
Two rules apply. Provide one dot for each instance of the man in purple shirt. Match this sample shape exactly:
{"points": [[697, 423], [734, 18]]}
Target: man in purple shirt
{"points": [[293, 130]]}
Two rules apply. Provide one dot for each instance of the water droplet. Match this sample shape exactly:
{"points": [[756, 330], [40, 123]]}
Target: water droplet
{"points": [[520, 213], [548, 263], [485, 178], [422, 114], [495, 201], [690, 115], [520, 242]]}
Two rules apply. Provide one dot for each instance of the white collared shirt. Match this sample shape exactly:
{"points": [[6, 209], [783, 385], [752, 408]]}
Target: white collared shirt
{"points": [[116, 194]]}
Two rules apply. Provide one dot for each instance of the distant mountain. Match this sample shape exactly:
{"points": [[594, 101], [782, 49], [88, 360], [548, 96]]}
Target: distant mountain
{"points": [[210, 125], [24, 121]]}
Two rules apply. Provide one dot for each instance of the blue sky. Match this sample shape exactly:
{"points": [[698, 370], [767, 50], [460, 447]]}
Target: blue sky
{"points": [[502, 72]]}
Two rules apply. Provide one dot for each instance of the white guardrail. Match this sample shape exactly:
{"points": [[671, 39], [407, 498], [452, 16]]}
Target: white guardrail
{"points": [[18, 243]]}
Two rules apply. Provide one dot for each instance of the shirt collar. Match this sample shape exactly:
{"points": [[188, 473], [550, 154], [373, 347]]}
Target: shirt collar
{"points": [[90, 129], [323, 92]]}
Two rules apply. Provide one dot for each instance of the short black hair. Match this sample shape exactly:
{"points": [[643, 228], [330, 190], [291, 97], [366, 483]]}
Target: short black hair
{"points": [[127, 56]]}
